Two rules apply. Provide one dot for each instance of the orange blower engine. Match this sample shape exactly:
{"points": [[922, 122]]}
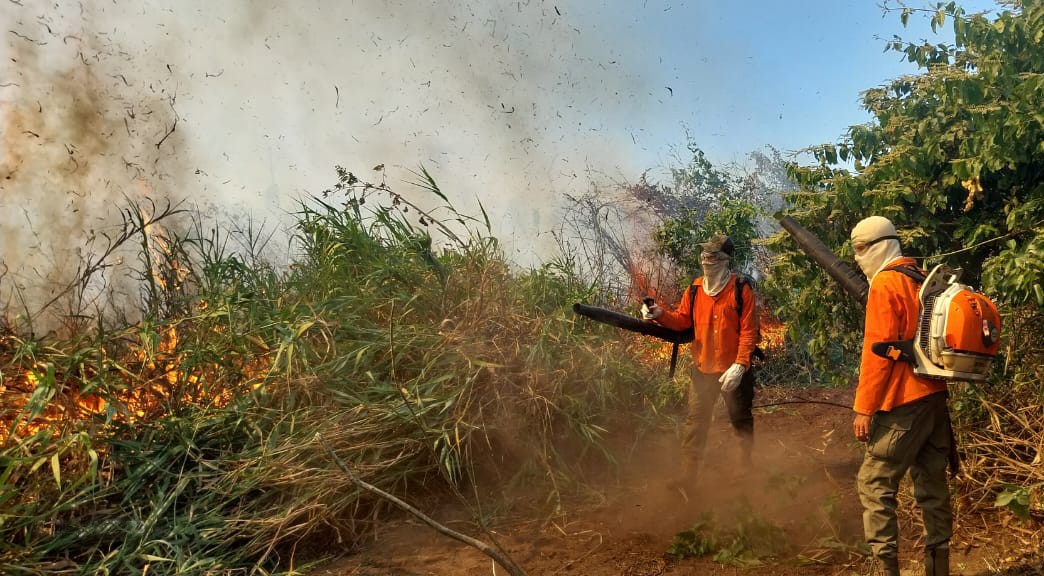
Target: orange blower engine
{"points": [[958, 332]]}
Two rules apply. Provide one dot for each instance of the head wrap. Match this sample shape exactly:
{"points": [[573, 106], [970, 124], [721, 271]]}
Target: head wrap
{"points": [[715, 263], [880, 243]]}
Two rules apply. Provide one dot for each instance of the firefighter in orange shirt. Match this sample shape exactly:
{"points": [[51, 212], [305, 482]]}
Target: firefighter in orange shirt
{"points": [[721, 307], [902, 417]]}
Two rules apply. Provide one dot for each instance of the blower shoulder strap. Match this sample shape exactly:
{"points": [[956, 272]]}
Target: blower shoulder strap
{"points": [[910, 272], [741, 281]]}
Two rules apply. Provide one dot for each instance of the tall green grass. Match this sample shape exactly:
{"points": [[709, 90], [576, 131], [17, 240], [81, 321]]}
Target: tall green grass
{"points": [[403, 335]]}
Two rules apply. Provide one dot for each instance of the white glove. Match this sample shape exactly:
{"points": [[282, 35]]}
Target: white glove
{"points": [[730, 379], [650, 311]]}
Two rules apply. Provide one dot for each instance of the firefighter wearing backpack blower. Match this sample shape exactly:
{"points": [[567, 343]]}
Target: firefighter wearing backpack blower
{"points": [[901, 416], [721, 308]]}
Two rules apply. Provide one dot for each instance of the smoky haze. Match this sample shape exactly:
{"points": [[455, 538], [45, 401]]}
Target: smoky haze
{"points": [[244, 107]]}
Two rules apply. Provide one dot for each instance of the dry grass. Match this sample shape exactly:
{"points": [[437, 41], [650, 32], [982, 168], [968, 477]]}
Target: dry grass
{"points": [[196, 452]]}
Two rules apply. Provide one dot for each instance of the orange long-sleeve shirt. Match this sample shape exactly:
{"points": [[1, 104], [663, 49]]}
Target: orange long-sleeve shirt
{"points": [[892, 309], [722, 336]]}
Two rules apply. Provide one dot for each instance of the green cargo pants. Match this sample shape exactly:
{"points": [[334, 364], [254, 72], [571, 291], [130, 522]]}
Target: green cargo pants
{"points": [[914, 437]]}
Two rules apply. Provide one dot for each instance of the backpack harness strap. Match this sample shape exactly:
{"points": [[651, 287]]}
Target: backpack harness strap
{"points": [[953, 456], [910, 272], [741, 281]]}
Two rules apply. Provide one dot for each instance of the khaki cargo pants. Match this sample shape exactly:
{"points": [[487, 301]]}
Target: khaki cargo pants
{"points": [[914, 437], [704, 390]]}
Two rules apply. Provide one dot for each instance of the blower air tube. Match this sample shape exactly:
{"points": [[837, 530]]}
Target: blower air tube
{"points": [[633, 324], [853, 282]]}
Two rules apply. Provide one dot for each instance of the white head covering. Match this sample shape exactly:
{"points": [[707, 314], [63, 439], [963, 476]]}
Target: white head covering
{"points": [[714, 260], [879, 233], [715, 272]]}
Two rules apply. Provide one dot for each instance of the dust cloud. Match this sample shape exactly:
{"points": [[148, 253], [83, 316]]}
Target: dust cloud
{"points": [[801, 483], [246, 107]]}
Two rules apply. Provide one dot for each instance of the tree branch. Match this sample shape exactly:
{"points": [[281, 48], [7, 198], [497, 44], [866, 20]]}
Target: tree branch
{"points": [[486, 549]]}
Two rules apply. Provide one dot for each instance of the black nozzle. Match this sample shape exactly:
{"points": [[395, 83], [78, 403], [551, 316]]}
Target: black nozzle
{"points": [[633, 324]]}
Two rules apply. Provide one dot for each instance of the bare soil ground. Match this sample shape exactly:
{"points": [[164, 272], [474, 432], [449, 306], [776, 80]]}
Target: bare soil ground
{"points": [[803, 484]]}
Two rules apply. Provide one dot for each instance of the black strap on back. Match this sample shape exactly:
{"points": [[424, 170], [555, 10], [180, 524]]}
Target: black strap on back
{"points": [[741, 281], [953, 456], [910, 272]]}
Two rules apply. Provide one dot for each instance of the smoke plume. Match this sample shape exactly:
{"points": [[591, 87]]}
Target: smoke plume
{"points": [[246, 106]]}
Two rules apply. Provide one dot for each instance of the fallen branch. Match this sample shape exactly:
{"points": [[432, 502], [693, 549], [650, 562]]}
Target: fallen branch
{"points": [[169, 132], [486, 549]]}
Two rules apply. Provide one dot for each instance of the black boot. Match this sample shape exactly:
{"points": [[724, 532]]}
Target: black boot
{"points": [[889, 566], [744, 431], [746, 462], [937, 560]]}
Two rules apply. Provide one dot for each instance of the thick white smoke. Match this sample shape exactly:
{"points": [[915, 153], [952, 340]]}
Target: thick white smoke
{"points": [[247, 105]]}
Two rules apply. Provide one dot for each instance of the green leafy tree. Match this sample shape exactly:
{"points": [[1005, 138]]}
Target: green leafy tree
{"points": [[696, 186], [953, 157], [679, 237], [703, 200], [639, 237]]}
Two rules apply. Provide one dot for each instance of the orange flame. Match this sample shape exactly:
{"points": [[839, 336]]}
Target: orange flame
{"points": [[660, 286], [153, 372], [151, 382]]}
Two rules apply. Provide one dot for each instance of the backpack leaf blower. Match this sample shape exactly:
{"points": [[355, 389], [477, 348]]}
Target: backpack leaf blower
{"points": [[958, 328]]}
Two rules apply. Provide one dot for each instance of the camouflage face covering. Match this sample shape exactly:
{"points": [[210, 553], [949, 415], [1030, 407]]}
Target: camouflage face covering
{"points": [[719, 243]]}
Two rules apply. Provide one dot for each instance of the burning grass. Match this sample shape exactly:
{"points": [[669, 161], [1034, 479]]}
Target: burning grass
{"points": [[183, 443]]}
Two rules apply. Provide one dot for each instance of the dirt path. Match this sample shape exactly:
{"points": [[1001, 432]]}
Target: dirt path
{"points": [[800, 498]]}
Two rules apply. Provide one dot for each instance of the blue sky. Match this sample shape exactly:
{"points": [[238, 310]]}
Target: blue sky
{"points": [[786, 74]]}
